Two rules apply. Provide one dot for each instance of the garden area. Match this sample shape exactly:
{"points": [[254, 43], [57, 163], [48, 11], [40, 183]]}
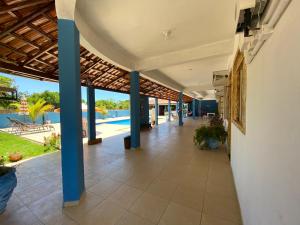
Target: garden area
{"points": [[14, 148]]}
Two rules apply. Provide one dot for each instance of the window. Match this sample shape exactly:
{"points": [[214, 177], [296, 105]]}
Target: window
{"points": [[239, 75]]}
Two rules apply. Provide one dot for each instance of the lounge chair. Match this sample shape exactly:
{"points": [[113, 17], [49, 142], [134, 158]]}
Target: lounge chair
{"points": [[19, 126]]}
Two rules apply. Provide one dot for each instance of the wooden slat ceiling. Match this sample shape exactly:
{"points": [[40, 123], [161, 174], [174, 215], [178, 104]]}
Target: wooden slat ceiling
{"points": [[28, 48]]}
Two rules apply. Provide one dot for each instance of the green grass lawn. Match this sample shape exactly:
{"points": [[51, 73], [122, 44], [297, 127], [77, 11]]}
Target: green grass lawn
{"points": [[11, 143]]}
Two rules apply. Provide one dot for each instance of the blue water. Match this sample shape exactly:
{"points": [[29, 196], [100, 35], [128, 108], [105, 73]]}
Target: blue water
{"points": [[55, 118], [118, 122]]}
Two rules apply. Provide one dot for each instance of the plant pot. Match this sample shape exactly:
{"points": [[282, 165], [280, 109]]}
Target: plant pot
{"points": [[14, 157], [8, 182], [127, 142], [213, 143]]}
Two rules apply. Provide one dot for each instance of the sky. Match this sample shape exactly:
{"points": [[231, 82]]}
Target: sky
{"points": [[35, 86]]}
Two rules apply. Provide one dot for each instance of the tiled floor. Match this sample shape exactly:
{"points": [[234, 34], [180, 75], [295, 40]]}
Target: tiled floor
{"points": [[169, 182]]}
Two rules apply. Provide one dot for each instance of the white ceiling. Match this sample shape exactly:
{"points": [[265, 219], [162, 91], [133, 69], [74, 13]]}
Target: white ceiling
{"points": [[196, 72], [138, 25], [129, 33]]}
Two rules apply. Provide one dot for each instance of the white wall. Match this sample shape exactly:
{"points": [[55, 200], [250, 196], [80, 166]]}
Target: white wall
{"points": [[266, 161]]}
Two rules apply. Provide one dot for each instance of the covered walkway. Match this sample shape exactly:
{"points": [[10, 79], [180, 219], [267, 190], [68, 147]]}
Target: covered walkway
{"points": [[168, 182]]}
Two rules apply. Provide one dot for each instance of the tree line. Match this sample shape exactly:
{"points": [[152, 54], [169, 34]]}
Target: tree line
{"points": [[52, 98]]}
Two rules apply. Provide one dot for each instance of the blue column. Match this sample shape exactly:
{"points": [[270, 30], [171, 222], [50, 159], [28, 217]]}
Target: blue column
{"points": [[144, 110], [70, 111], [91, 115], [180, 108], [169, 110], [194, 108], [135, 109], [156, 111], [200, 108]]}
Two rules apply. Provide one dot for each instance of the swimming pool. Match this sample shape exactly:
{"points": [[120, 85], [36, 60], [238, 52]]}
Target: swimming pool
{"points": [[117, 122]]}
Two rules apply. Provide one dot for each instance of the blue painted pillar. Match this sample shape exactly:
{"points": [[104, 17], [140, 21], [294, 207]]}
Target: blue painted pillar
{"points": [[169, 110], [194, 108], [180, 108], [200, 108], [70, 112], [135, 109], [144, 110], [91, 114], [156, 111], [197, 107]]}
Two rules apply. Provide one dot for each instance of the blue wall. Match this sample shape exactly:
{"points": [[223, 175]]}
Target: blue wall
{"points": [[208, 106], [54, 117]]}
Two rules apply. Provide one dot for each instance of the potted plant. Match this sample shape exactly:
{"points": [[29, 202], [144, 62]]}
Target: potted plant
{"points": [[209, 137], [14, 157], [8, 182]]}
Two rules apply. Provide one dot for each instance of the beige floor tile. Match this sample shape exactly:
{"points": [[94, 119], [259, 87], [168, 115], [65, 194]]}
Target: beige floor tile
{"points": [[105, 187], [190, 197], [122, 175], [162, 188], [173, 174], [23, 216], [222, 207], [14, 204], [140, 181], [107, 213], [212, 220], [125, 196], [180, 215], [87, 203], [226, 190], [149, 207], [131, 219], [49, 211]]}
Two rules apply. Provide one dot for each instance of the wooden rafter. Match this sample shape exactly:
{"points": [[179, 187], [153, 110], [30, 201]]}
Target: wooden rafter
{"points": [[6, 67], [27, 19], [22, 5], [14, 50], [40, 31], [25, 40]]}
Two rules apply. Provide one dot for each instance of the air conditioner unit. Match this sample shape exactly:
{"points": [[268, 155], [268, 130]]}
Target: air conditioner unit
{"points": [[220, 78]]}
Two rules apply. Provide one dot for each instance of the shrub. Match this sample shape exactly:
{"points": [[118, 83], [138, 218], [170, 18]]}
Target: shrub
{"points": [[216, 121], [203, 134], [52, 142]]}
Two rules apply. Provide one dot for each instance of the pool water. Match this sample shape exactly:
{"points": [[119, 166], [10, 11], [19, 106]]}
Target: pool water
{"points": [[118, 122]]}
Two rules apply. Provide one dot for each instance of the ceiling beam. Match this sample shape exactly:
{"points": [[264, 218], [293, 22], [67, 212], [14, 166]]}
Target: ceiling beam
{"points": [[13, 69]]}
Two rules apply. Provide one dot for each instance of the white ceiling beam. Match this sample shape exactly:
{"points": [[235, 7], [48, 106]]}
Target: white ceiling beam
{"points": [[179, 57]]}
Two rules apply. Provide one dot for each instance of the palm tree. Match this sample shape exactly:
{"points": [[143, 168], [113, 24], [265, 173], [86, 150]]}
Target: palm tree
{"points": [[38, 109], [102, 110]]}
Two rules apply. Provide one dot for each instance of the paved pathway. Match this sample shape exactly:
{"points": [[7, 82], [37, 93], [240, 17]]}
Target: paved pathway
{"points": [[168, 182]]}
